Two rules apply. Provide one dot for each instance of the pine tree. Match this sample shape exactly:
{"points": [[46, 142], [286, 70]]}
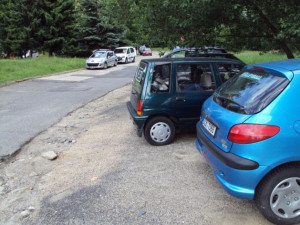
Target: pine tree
{"points": [[97, 28], [21, 25], [57, 25]]}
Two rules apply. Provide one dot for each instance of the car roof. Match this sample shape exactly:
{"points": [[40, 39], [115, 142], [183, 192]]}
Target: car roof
{"points": [[125, 47], [201, 50], [286, 64], [100, 49], [193, 59], [286, 67]]}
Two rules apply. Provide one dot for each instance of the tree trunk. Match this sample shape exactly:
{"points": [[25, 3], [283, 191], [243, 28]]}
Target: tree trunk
{"points": [[274, 30]]}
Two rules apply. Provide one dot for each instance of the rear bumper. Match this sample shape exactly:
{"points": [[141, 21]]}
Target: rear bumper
{"points": [[238, 176], [138, 121]]}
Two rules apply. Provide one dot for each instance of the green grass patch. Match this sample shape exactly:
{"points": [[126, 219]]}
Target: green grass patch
{"points": [[18, 69], [251, 57]]}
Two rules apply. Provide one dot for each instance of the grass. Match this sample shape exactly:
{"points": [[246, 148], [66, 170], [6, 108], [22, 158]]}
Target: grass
{"points": [[251, 57], [18, 69]]}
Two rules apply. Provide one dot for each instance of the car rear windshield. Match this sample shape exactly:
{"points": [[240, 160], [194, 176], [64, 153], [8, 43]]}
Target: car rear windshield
{"points": [[120, 50], [140, 76], [250, 92]]}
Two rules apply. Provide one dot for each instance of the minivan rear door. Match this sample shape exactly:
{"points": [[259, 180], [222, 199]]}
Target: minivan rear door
{"points": [[138, 83]]}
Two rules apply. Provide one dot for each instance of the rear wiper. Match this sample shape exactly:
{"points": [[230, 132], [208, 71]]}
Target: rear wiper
{"points": [[230, 104]]}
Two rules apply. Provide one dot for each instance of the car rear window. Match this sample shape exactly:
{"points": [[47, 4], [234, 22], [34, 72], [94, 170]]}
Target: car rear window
{"points": [[140, 75], [250, 92]]}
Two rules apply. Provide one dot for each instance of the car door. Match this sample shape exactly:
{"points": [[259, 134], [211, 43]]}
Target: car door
{"points": [[194, 83], [110, 59]]}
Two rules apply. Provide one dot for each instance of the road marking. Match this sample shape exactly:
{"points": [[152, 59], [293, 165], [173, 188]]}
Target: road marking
{"points": [[65, 77]]}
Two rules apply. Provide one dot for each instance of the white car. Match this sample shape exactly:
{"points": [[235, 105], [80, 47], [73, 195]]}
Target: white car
{"points": [[125, 54], [101, 59]]}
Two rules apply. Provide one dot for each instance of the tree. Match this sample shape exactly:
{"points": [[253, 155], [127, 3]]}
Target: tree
{"points": [[234, 24], [57, 25], [98, 29], [267, 24], [20, 25]]}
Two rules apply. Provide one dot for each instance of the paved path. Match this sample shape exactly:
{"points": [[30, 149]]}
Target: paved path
{"points": [[30, 107]]}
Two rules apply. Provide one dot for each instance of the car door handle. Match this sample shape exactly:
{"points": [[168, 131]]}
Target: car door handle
{"points": [[180, 99]]}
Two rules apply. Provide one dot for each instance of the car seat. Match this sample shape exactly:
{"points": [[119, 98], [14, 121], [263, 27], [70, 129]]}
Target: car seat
{"points": [[206, 81]]}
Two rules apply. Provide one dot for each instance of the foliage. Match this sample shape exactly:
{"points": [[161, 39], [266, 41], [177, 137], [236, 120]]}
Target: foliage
{"points": [[76, 27], [57, 25], [98, 29]]}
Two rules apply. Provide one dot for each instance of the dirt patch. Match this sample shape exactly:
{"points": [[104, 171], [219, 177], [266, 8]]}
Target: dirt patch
{"points": [[105, 174]]}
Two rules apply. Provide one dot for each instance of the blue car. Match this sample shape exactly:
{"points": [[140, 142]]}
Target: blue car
{"points": [[249, 133]]}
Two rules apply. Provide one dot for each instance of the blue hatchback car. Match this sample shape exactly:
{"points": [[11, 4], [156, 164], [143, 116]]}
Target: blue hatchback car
{"points": [[249, 133]]}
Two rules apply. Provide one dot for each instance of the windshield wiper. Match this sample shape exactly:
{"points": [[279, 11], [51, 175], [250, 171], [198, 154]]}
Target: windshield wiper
{"points": [[230, 104]]}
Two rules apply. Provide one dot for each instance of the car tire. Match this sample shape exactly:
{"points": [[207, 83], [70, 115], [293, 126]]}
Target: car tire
{"points": [[133, 59], [105, 66], [159, 131], [278, 195], [116, 63], [126, 60]]}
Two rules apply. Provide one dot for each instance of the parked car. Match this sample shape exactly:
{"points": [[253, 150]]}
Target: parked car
{"points": [[167, 94], [141, 49], [125, 54], [147, 51], [249, 133], [3, 55], [28, 54], [101, 59], [214, 52]]}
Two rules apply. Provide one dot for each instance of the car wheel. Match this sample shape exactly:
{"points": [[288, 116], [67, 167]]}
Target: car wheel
{"points": [[278, 195], [133, 59], [159, 131], [105, 66], [116, 63], [126, 61]]}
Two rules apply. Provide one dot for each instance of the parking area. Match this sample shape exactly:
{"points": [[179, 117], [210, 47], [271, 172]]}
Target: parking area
{"points": [[105, 174]]}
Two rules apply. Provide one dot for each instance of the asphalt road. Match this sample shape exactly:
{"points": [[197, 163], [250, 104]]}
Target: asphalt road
{"points": [[30, 107]]}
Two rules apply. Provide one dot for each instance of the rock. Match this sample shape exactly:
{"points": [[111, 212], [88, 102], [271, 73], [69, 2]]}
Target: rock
{"points": [[51, 155], [33, 174], [25, 213], [141, 213]]}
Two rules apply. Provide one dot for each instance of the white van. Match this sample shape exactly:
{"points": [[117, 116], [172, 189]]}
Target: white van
{"points": [[125, 54]]}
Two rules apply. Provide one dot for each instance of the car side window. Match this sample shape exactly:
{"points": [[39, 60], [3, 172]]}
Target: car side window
{"points": [[161, 78], [194, 78], [179, 54], [228, 70]]}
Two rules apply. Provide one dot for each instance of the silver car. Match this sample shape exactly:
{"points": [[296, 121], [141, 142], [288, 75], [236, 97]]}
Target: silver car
{"points": [[101, 59]]}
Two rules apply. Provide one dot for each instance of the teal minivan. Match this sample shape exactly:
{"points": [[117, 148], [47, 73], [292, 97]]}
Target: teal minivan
{"points": [[167, 93]]}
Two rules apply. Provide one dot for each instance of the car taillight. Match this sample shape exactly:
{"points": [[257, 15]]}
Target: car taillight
{"points": [[139, 108], [250, 133]]}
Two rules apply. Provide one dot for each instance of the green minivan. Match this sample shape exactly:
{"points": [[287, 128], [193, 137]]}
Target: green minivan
{"points": [[167, 93]]}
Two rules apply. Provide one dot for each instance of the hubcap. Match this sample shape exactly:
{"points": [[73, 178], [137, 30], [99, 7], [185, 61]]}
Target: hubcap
{"points": [[285, 198], [160, 132]]}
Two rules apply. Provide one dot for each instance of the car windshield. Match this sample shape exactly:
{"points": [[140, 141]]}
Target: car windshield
{"points": [[98, 55], [147, 49], [120, 50], [250, 92]]}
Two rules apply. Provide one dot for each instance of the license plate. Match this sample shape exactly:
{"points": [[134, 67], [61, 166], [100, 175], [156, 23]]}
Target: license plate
{"points": [[209, 127]]}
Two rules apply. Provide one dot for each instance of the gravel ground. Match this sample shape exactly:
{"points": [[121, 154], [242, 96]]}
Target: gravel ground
{"points": [[105, 174]]}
